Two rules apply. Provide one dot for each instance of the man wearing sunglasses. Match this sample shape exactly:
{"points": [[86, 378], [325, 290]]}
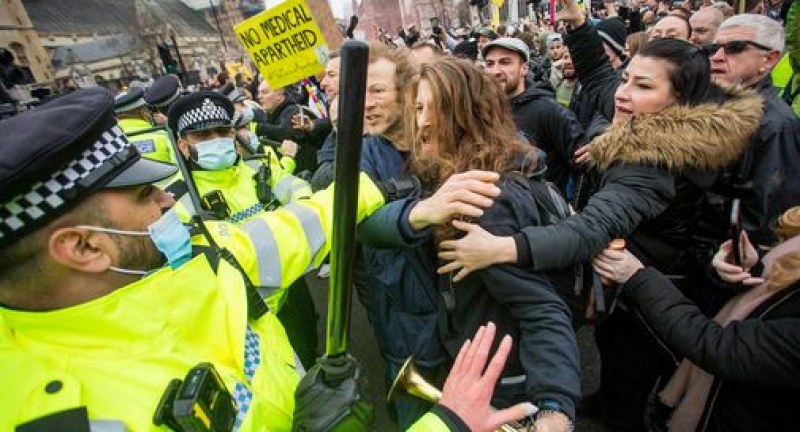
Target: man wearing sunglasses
{"points": [[745, 50]]}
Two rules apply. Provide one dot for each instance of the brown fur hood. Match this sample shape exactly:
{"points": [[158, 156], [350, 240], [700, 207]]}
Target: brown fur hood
{"points": [[707, 136]]}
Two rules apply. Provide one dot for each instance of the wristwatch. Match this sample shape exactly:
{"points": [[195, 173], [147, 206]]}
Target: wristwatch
{"points": [[551, 413]]}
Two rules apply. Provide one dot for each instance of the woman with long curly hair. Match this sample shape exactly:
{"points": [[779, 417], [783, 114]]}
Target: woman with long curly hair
{"points": [[741, 369], [463, 122]]}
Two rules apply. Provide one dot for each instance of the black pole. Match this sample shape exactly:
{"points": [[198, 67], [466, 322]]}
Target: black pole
{"points": [[352, 85], [216, 20], [183, 75]]}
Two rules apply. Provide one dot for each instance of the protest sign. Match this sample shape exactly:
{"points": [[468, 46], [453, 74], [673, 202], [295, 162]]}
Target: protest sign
{"points": [[285, 43]]}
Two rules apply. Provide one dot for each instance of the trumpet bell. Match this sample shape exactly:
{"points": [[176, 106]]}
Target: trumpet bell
{"points": [[410, 381]]}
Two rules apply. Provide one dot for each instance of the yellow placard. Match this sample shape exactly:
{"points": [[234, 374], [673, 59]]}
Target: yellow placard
{"points": [[284, 43], [495, 14]]}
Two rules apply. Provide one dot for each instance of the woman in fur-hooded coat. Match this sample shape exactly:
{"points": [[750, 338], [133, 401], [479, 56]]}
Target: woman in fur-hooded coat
{"points": [[653, 173]]}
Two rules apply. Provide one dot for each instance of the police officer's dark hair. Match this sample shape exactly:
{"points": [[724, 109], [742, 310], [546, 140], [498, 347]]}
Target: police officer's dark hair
{"points": [[690, 74], [22, 262]]}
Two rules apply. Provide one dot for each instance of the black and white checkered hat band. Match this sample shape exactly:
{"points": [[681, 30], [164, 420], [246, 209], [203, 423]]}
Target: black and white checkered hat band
{"points": [[45, 197], [204, 116]]}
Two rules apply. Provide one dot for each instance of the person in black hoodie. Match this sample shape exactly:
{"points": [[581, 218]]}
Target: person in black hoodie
{"points": [[741, 369], [543, 121]]}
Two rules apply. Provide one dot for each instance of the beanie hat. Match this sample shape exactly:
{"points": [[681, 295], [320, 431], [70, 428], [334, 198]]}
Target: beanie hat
{"points": [[613, 31]]}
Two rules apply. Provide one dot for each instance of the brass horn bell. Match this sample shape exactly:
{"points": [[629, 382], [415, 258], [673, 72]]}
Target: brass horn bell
{"points": [[410, 381]]}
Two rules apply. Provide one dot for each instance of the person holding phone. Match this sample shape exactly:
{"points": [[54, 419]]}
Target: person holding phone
{"points": [[740, 370]]}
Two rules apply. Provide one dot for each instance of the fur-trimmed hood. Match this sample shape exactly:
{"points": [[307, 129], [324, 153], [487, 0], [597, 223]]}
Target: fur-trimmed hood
{"points": [[706, 137]]}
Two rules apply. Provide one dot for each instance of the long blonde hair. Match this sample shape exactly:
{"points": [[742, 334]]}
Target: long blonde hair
{"points": [[785, 270]]}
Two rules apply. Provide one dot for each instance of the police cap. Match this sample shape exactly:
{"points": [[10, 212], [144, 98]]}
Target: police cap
{"points": [[57, 155], [200, 111], [130, 100], [164, 91]]}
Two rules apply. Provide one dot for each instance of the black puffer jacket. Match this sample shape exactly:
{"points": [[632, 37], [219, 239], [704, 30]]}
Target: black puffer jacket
{"points": [[755, 362], [552, 128], [648, 190]]}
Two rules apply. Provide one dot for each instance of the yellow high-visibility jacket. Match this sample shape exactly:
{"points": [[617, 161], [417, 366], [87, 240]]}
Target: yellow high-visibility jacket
{"points": [[152, 145], [116, 354]]}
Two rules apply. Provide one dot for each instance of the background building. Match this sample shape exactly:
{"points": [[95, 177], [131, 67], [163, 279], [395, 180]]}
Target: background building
{"points": [[75, 43], [18, 35]]}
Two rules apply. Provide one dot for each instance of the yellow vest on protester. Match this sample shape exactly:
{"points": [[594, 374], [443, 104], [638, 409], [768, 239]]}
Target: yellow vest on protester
{"points": [[116, 354], [153, 145]]}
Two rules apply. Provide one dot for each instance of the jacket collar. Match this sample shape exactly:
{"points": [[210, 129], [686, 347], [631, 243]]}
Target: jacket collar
{"points": [[706, 137]]}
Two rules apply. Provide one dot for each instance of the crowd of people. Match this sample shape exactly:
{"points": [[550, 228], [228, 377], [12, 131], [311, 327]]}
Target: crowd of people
{"points": [[629, 169]]}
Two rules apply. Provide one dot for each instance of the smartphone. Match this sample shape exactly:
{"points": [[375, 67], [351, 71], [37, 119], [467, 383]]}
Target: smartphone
{"points": [[736, 231]]}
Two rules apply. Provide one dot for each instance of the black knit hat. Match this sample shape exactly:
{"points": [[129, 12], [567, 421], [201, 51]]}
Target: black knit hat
{"points": [[614, 32]]}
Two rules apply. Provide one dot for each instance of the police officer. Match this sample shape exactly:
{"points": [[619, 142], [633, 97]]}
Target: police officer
{"points": [[104, 301], [237, 190], [165, 90], [134, 116], [107, 299]]}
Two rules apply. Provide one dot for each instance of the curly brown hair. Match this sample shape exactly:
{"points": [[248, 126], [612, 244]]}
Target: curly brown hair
{"points": [[785, 270], [473, 126]]}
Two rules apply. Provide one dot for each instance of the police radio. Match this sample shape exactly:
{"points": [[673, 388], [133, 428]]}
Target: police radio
{"points": [[199, 403]]}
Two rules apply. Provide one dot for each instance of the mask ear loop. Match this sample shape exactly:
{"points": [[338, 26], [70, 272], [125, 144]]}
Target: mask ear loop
{"points": [[114, 231], [120, 232]]}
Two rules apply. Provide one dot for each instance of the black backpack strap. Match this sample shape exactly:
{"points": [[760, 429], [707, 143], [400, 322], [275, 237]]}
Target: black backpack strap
{"points": [[549, 203]]}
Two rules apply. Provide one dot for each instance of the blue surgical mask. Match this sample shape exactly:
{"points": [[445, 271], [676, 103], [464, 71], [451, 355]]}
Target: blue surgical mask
{"points": [[168, 233], [216, 153], [247, 116], [254, 141]]}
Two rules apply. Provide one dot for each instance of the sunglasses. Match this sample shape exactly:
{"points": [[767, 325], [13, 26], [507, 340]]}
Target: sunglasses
{"points": [[734, 47]]}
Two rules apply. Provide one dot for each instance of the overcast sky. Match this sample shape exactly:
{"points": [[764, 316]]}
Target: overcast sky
{"points": [[336, 5]]}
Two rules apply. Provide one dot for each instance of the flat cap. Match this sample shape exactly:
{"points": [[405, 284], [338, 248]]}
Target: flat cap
{"points": [[164, 91], [75, 149], [236, 95], [512, 44], [488, 32], [130, 100], [200, 111]]}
